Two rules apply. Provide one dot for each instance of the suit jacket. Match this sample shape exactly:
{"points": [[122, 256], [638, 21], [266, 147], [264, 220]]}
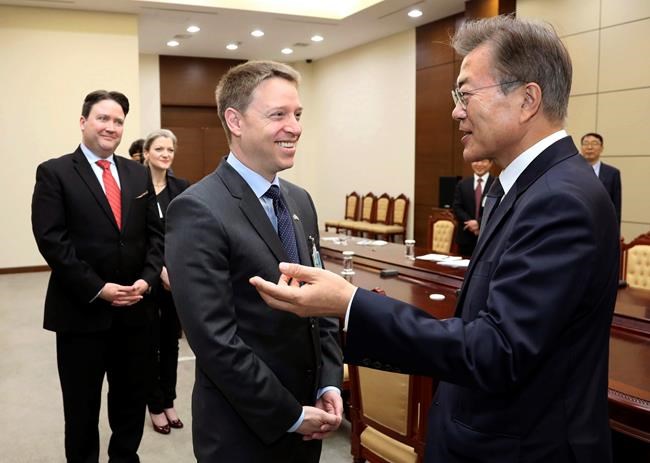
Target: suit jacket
{"points": [[464, 207], [611, 178], [256, 367], [523, 365], [77, 234]]}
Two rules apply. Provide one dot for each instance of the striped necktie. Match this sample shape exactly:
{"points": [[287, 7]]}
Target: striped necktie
{"points": [[113, 193]]}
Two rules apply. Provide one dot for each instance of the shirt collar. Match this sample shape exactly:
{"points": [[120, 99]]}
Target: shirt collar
{"points": [[510, 174], [258, 184], [92, 157], [596, 167]]}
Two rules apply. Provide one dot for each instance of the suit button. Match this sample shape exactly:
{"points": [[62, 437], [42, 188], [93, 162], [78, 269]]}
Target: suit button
{"points": [[121, 244]]}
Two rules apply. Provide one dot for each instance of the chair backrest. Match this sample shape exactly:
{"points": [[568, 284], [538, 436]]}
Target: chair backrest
{"points": [[368, 207], [400, 210], [389, 423], [441, 231], [636, 261], [352, 206], [383, 209]]}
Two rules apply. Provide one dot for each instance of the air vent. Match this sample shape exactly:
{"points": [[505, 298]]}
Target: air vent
{"points": [[300, 44], [183, 36]]}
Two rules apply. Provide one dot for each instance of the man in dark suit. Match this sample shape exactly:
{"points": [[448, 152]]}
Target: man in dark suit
{"points": [[591, 148], [95, 221], [267, 383], [468, 205], [523, 364]]}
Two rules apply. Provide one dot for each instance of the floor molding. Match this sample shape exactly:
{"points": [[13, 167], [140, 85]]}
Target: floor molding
{"points": [[35, 268]]}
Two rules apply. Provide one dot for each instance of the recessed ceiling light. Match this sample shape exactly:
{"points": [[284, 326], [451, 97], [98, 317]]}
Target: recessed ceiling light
{"points": [[257, 33], [415, 13], [232, 46], [193, 29], [173, 43], [287, 51], [317, 38]]}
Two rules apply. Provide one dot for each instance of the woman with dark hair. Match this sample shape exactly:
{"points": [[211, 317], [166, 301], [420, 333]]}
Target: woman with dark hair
{"points": [[159, 150], [135, 150]]}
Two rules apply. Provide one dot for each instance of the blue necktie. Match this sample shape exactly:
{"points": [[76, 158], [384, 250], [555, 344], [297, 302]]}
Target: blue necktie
{"points": [[285, 224]]}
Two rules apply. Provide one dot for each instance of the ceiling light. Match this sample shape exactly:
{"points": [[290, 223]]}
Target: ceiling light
{"points": [[173, 43], [193, 29], [232, 46], [415, 13], [257, 33], [287, 51], [317, 38]]}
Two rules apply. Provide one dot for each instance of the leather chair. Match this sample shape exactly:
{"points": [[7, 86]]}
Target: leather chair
{"points": [[635, 262], [351, 211], [441, 231]]}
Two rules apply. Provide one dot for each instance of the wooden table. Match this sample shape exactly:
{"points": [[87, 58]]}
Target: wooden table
{"points": [[629, 361]]}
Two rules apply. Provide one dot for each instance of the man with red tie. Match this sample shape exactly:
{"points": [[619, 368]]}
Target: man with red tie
{"points": [[95, 221], [468, 205]]}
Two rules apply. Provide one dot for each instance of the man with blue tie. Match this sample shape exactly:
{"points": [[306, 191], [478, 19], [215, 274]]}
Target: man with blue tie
{"points": [[267, 383], [591, 147], [523, 365]]}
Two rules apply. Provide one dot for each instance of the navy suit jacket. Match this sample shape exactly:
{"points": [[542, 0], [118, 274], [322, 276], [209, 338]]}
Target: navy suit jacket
{"points": [[524, 364], [255, 367], [611, 178]]}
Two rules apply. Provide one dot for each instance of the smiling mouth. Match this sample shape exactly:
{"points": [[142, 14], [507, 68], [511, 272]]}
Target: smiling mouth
{"points": [[286, 144]]}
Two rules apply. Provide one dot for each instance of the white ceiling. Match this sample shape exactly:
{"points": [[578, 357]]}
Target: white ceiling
{"points": [[161, 21]]}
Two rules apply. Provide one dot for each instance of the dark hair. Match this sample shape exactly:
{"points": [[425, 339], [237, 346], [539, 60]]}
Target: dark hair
{"points": [[136, 147], [523, 50], [99, 95], [592, 134], [236, 87]]}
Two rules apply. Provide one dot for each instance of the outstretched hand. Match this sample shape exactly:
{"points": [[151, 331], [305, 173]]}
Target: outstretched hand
{"points": [[306, 291]]}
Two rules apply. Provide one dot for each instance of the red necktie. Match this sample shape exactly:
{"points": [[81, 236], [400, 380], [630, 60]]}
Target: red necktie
{"points": [[112, 191], [478, 195]]}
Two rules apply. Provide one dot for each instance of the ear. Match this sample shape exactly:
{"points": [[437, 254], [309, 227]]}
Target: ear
{"points": [[233, 119], [82, 122], [532, 103]]}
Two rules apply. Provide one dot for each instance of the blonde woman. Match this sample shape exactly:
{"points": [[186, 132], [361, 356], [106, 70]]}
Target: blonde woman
{"points": [[159, 150]]}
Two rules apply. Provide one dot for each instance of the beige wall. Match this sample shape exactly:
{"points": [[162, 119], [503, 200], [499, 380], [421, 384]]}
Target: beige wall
{"points": [[149, 96], [50, 60], [609, 42], [359, 124]]}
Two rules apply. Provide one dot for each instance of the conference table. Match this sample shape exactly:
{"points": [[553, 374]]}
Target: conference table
{"points": [[415, 280]]}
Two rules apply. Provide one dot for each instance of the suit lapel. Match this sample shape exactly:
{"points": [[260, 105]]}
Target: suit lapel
{"points": [[252, 209], [85, 171], [557, 152], [301, 237]]}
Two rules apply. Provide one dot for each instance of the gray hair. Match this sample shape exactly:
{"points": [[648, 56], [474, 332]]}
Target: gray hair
{"points": [[524, 50]]}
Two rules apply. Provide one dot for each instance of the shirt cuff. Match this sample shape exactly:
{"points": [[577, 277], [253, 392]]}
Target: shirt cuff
{"points": [[323, 390], [298, 422], [96, 296], [347, 312]]}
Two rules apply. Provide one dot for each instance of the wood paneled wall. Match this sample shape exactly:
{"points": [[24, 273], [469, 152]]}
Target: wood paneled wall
{"points": [[438, 151], [188, 109]]}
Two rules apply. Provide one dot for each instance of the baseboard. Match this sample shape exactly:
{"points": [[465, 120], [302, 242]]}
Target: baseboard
{"points": [[36, 268]]}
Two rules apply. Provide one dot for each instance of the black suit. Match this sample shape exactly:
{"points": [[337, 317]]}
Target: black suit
{"points": [[524, 364], [465, 209], [256, 367], [78, 236], [611, 178]]}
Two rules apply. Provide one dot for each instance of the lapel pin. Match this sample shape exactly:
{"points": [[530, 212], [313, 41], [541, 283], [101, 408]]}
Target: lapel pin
{"points": [[295, 217]]}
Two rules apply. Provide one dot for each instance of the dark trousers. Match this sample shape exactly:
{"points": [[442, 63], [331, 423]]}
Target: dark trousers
{"points": [[166, 331], [122, 353]]}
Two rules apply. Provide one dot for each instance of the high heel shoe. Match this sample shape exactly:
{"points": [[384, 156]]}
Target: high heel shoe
{"points": [[164, 429], [176, 424]]}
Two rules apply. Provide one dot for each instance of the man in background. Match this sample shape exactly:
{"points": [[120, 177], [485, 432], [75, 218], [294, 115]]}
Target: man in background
{"points": [[95, 221], [267, 383], [591, 145], [468, 205]]}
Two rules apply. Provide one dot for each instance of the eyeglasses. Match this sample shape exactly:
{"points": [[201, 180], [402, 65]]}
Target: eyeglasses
{"points": [[591, 143], [459, 97]]}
